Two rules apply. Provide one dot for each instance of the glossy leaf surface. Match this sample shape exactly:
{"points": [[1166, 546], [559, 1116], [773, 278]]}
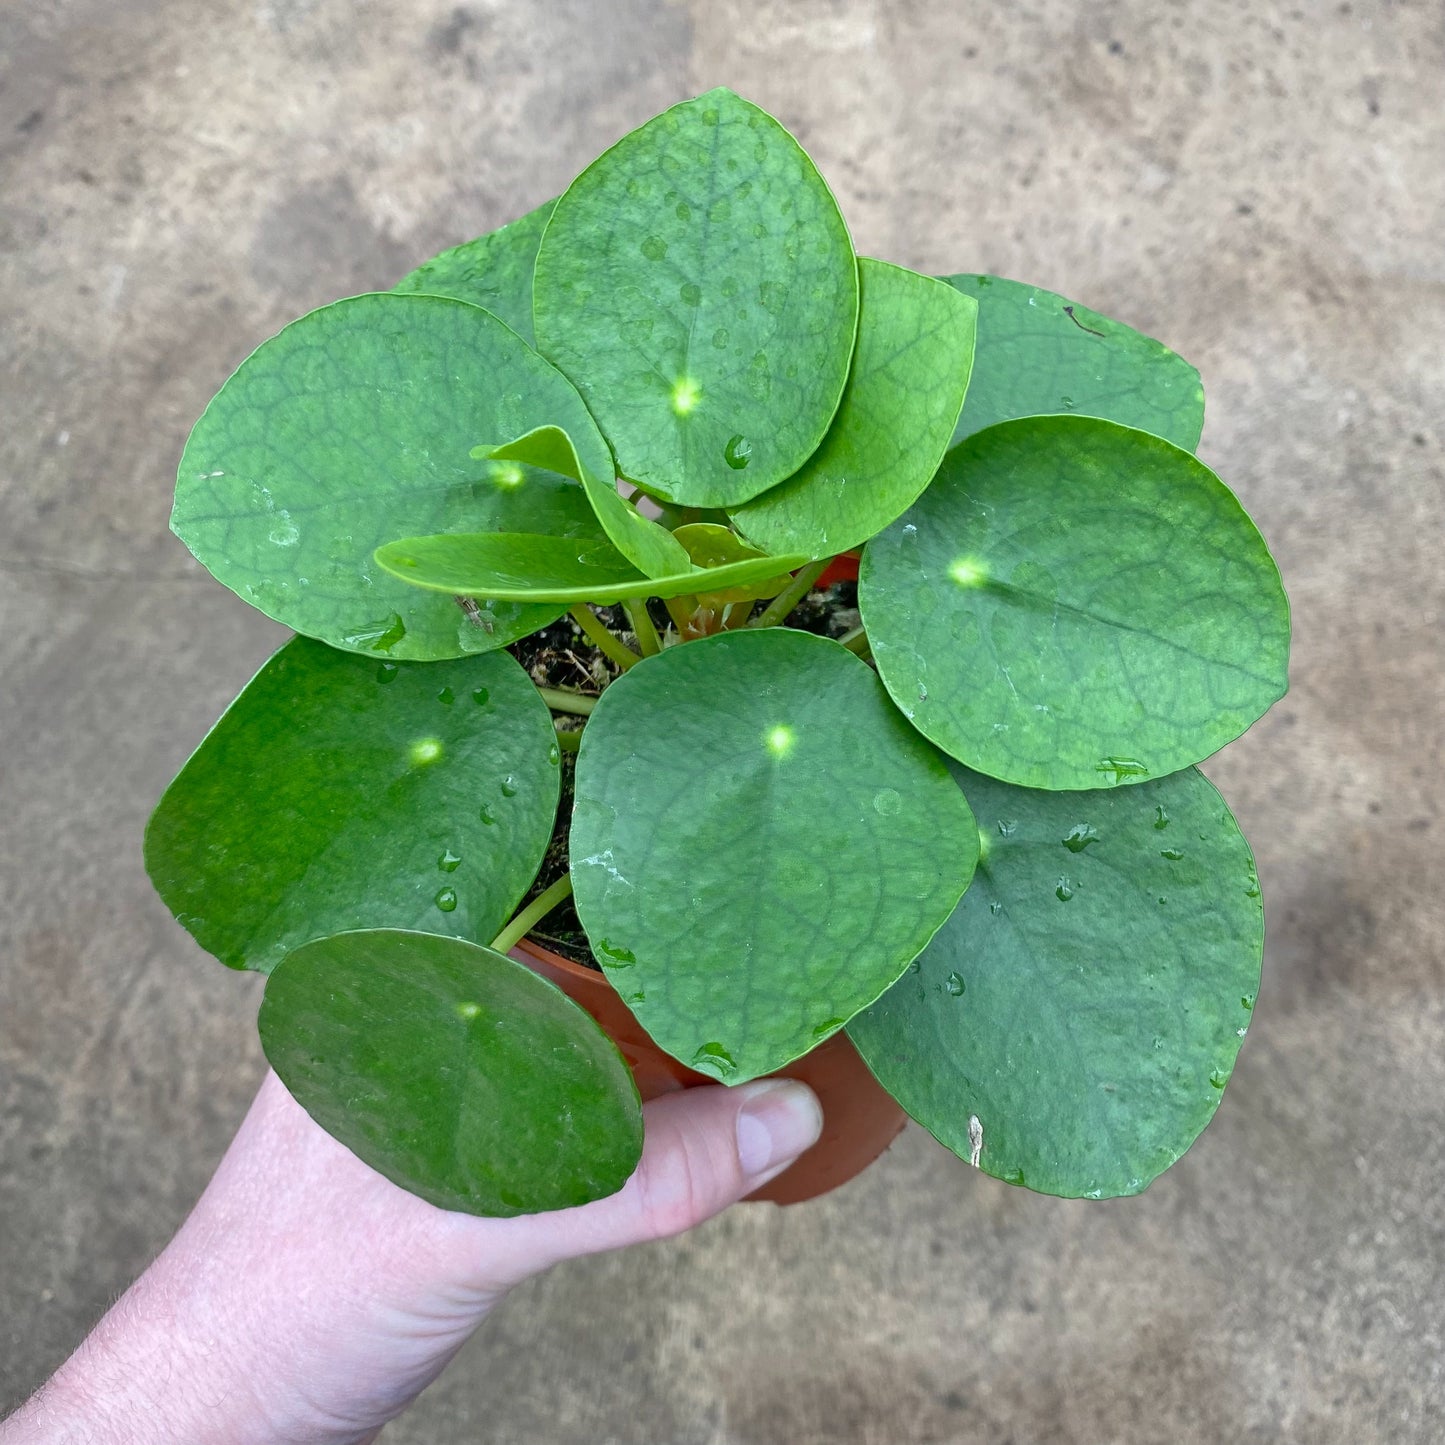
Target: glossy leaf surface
{"points": [[698, 285], [1073, 604], [454, 1071], [1081, 1011], [353, 426], [494, 271], [344, 792], [910, 372], [1039, 353], [515, 566], [759, 845]]}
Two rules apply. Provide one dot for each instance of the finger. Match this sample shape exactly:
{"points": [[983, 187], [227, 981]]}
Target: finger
{"points": [[705, 1148]]}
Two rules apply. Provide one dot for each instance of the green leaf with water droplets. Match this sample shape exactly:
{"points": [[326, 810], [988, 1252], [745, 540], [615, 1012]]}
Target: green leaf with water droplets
{"points": [[346, 792], [1081, 1011], [494, 271], [759, 845], [355, 425], [519, 567], [1073, 603], [420, 1054], [649, 547], [1039, 353], [698, 285], [910, 372]]}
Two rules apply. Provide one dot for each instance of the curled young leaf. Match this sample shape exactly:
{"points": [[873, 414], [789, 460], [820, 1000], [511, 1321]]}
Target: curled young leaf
{"points": [[521, 568]]}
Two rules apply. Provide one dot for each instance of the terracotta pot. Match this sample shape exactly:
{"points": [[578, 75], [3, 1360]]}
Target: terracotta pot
{"points": [[860, 1120]]}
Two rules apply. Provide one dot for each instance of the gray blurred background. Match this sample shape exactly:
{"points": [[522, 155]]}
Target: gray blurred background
{"points": [[1261, 186]]}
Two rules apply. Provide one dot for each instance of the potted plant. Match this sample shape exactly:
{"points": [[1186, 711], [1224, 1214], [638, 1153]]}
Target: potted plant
{"points": [[575, 513]]}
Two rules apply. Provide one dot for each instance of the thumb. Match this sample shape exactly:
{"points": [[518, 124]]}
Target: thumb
{"points": [[704, 1148]]}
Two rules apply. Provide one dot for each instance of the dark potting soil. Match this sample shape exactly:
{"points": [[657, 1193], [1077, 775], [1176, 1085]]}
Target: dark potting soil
{"points": [[560, 656]]}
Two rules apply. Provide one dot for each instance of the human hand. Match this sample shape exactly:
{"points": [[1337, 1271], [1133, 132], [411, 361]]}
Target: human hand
{"points": [[309, 1299]]}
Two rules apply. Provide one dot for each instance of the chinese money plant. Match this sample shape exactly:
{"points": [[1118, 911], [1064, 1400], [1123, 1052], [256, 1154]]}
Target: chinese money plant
{"points": [[969, 830]]}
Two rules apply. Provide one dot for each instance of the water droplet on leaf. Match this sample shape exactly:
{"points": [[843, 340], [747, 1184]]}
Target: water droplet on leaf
{"points": [[1161, 818], [449, 862], [1064, 891], [887, 802], [446, 900], [738, 452], [715, 1060], [654, 248], [377, 636], [447, 696], [1006, 827], [1172, 854], [1080, 836], [1122, 768], [509, 786], [954, 985], [386, 672], [480, 696], [617, 956], [1218, 1078]]}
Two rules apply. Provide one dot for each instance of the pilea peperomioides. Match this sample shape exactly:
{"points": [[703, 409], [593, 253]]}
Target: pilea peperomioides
{"points": [[968, 830]]}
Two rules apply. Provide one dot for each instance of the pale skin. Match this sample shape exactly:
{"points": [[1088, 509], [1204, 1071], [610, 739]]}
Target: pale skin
{"points": [[307, 1300]]}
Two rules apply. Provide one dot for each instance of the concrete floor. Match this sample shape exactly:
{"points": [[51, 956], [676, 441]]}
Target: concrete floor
{"points": [[1261, 186]]}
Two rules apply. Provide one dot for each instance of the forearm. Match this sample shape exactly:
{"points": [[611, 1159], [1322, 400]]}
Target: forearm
{"points": [[308, 1300], [281, 1295]]}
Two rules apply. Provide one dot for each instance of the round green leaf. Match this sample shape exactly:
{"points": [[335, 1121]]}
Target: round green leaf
{"points": [[345, 792], [1039, 353], [698, 285], [494, 271], [1072, 604], [910, 372], [516, 566], [354, 426], [1077, 1018], [759, 845], [455, 1072]]}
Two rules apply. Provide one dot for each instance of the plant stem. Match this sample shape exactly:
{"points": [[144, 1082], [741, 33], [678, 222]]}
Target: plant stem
{"points": [[680, 609], [857, 641], [533, 913], [647, 638], [560, 700], [777, 610], [569, 739], [738, 614], [601, 638]]}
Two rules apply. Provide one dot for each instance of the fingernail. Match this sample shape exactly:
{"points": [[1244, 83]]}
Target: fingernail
{"points": [[779, 1121]]}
